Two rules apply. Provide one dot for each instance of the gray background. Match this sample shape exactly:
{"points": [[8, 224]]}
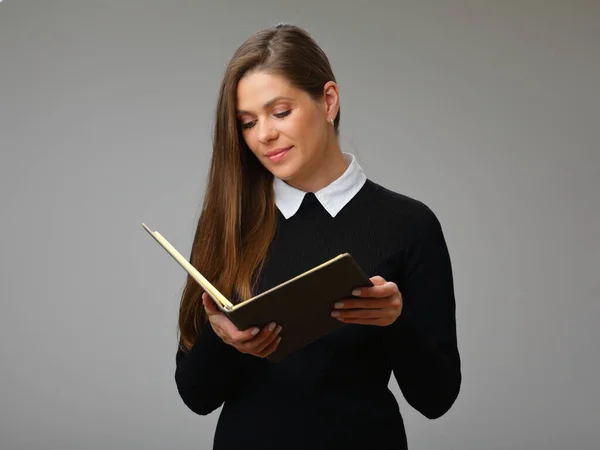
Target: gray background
{"points": [[488, 111]]}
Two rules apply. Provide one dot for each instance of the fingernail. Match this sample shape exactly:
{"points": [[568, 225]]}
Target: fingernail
{"points": [[254, 331], [278, 330], [356, 292], [335, 314], [339, 305], [272, 326]]}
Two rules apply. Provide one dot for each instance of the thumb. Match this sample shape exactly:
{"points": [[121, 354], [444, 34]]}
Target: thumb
{"points": [[209, 304], [377, 280]]}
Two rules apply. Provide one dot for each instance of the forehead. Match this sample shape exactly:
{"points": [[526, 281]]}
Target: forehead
{"points": [[256, 89]]}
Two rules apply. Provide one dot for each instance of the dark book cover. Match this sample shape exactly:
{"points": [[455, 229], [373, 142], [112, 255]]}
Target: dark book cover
{"points": [[303, 305]]}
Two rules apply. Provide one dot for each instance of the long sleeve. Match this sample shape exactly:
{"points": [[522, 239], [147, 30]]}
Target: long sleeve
{"points": [[422, 343], [208, 373]]}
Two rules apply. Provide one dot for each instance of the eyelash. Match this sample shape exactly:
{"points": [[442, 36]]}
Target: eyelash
{"points": [[278, 115]]}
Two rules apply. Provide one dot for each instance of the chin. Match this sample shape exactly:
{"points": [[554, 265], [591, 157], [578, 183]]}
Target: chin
{"points": [[284, 172]]}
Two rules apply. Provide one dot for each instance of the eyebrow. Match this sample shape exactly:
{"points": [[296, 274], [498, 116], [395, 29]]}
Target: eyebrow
{"points": [[266, 105]]}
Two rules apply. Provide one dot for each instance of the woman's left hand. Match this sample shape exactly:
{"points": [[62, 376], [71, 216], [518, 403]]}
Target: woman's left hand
{"points": [[377, 305]]}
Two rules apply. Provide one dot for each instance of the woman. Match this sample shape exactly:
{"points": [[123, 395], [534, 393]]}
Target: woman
{"points": [[282, 197]]}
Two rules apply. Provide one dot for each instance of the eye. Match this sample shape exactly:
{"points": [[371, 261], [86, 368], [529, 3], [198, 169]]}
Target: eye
{"points": [[281, 115]]}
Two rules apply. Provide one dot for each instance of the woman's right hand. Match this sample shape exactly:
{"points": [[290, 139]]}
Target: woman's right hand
{"points": [[260, 343]]}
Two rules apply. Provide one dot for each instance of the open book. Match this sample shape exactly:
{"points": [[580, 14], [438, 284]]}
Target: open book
{"points": [[301, 305]]}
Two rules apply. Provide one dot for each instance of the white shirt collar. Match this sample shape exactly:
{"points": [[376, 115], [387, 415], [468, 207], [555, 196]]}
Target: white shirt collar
{"points": [[333, 197]]}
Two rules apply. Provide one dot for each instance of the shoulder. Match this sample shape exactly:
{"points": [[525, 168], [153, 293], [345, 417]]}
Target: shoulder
{"points": [[403, 210]]}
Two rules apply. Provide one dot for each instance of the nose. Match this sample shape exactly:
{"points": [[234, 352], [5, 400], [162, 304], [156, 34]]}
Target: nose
{"points": [[266, 131]]}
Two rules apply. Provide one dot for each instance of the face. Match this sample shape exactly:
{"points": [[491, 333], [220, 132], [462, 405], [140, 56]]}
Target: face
{"points": [[283, 126]]}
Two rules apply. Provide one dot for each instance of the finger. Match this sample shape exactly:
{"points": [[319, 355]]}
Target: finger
{"points": [[230, 331], [220, 333], [386, 289], [365, 321], [239, 337], [362, 314], [258, 341], [209, 304], [270, 348], [368, 303], [377, 280], [271, 337]]}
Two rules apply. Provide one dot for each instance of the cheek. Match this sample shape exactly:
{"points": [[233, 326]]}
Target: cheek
{"points": [[309, 134], [300, 128]]}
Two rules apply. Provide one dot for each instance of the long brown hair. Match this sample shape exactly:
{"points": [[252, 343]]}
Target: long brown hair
{"points": [[238, 218]]}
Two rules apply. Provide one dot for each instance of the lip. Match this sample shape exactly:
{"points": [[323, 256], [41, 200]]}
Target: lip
{"points": [[278, 155], [277, 151]]}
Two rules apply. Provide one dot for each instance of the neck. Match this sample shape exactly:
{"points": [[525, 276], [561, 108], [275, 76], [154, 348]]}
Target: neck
{"points": [[323, 172]]}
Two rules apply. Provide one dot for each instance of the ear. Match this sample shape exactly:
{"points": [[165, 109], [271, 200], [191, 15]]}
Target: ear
{"points": [[331, 100]]}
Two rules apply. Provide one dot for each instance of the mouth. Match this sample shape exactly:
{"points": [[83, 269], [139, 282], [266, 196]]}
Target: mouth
{"points": [[277, 154]]}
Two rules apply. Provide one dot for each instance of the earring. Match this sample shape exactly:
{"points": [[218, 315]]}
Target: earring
{"points": [[332, 122]]}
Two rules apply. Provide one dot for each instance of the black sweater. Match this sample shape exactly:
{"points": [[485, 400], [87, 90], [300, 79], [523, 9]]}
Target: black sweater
{"points": [[334, 393]]}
